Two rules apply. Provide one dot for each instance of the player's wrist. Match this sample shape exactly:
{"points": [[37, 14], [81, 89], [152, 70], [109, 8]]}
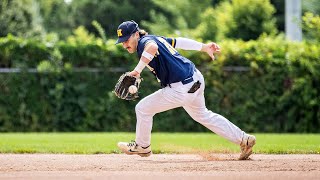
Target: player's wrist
{"points": [[140, 66], [205, 48], [134, 73]]}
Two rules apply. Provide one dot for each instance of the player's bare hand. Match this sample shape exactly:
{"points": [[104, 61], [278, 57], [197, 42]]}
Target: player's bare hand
{"points": [[211, 49], [134, 73]]}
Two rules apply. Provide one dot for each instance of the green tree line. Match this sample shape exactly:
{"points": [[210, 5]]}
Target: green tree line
{"points": [[206, 19]]}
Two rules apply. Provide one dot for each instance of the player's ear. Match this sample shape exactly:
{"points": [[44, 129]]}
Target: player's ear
{"points": [[137, 34]]}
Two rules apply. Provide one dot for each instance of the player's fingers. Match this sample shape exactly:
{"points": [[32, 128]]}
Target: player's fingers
{"points": [[212, 57], [216, 47]]}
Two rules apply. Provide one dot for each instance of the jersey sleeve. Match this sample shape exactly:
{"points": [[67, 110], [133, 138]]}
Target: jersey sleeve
{"points": [[171, 41], [142, 43]]}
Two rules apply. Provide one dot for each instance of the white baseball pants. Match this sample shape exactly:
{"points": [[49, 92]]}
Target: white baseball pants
{"points": [[194, 103]]}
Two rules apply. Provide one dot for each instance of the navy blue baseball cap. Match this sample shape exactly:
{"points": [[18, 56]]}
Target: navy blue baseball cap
{"points": [[125, 30]]}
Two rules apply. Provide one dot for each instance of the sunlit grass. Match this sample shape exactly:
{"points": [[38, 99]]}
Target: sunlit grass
{"points": [[96, 143]]}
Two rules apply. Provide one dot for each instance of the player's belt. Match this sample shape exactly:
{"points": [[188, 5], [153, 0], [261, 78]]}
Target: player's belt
{"points": [[187, 80], [183, 82]]}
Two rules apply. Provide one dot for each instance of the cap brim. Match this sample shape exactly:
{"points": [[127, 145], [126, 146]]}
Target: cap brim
{"points": [[123, 39]]}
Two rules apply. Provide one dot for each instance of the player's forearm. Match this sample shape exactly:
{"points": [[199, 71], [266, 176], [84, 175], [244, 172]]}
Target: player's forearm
{"points": [[188, 44]]}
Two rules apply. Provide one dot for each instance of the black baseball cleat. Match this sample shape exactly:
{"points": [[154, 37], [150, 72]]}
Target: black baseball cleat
{"points": [[133, 148]]}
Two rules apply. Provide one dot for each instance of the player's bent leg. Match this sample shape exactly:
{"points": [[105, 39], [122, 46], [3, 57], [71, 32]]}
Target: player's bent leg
{"points": [[247, 143], [145, 110], [133, 148]]}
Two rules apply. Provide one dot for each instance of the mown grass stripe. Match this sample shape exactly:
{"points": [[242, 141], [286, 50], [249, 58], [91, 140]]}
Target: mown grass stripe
{"points": [[105, 143]]}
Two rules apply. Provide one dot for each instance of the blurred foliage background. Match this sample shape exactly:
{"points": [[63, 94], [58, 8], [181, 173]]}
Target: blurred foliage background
{"points": [[59, 63]]}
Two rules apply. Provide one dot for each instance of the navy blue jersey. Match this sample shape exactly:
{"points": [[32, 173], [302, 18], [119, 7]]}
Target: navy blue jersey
{"points": [[168, 65]]}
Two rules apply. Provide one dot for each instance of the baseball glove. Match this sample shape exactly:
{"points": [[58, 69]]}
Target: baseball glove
{"points": [[122, 87]]}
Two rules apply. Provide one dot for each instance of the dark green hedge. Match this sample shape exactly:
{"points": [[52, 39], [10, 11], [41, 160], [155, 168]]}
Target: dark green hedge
{"points": [[268, 85]]}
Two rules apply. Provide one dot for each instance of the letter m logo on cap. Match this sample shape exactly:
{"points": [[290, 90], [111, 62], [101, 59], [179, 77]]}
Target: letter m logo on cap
{"points": [[119, 31]]}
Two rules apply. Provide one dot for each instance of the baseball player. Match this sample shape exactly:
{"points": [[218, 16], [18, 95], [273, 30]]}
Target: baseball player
{"points": [[182, 86]]}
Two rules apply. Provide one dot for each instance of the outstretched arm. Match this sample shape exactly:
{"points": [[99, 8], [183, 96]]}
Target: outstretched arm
{"points": [[189, 44]]}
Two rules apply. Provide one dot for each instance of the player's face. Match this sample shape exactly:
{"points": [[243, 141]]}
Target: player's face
{"points": [[131, 44]]}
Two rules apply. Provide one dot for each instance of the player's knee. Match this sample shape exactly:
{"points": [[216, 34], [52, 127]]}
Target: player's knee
{"points": [[140, 108], [204, 116], [143, 109]]}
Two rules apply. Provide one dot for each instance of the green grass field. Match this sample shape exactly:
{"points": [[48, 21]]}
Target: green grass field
{"points": [[96, 143]]}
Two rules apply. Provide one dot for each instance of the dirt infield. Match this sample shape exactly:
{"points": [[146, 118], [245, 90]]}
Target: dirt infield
{"points": [[161, 166]]}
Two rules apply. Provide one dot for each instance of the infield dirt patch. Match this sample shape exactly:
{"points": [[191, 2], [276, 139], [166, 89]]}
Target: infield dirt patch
{"points": [[159, 166]]}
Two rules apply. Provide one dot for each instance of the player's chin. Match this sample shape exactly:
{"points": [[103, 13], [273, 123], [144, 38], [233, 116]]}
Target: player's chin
{"points": [[130, 50]]}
